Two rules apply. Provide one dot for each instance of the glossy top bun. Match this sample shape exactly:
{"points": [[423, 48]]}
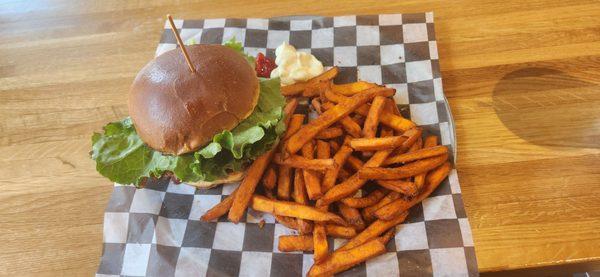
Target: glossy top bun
{"points": [[175, 111]]}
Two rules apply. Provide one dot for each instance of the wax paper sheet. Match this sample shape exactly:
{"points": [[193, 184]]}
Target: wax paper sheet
{"points": [[156, 231]]}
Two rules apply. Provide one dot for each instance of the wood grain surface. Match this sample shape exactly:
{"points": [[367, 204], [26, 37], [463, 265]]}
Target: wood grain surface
{"points": [[522, 78]]}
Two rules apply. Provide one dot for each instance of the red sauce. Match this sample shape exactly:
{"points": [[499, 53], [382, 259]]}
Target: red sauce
{"points": [[264, 66]]}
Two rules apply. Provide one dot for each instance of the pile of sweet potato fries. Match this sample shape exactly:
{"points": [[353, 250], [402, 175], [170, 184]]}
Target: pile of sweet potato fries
{"points": [[311, 178]]}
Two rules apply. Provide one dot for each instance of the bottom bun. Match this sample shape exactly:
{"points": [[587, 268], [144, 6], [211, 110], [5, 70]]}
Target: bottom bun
{"points": [[231, 178]]}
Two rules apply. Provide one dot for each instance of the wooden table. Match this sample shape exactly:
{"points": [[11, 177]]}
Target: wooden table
{"points": [[522, 77]]}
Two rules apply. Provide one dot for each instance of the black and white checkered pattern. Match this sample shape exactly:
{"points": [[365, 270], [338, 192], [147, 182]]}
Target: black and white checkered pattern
{"points": [[156, 231]]}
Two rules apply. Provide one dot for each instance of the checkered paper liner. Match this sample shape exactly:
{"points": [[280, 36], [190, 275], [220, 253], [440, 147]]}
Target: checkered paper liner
{"points": [[156, 231]]}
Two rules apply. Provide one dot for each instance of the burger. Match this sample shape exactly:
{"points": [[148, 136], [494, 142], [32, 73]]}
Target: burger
{"points": [[200, 127]]}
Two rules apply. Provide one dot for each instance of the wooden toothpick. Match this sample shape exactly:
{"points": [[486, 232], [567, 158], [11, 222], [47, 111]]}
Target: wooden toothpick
{"points": [[185, 54]]}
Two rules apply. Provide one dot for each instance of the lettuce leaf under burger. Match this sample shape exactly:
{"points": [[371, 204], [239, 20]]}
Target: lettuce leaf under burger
{"points": [[122, 156]]}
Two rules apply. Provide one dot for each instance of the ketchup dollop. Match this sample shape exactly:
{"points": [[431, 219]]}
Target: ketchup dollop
{"points": [[264, 66]]}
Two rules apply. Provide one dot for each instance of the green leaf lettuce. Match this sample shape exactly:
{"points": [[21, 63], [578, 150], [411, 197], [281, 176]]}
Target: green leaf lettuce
{"points": [[122, 157], [237, 46]]}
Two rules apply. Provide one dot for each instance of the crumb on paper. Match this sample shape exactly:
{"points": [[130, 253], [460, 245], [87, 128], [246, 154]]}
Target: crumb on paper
{"points": [[261, 223]]}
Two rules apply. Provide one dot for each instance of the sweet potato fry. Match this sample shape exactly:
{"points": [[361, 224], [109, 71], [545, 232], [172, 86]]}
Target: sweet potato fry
{"points": [[320, 243], [396, 122], [323, 150], [244, 192], [305, 226], [316, 88], [320, 240], [342, 260], [372, 144], [284, 182], [381, 142], [289, 109], [392, 214], [350, 126], [295, 124], [319, 84], [299, 195], [412, 136], [313, 184], [342, 190], [401, 186], [329, 133], [302, 226], [285, 208], [293, 89], [350, 89], [352, 216], [311, 178], [387, 236], [331, 174], [369, 200], [316, 105], [432, 181], [338, 98], [368, 213], [372, 120], [298, 88], [326, 76], [297, 161], [416, 146], [392, 107], [430, 142], [269, 179], [289, 222], [308, 150], [408, 170], [333, 97], [299, 192], [424, 153], [338, 231], [289, 243], [219, 209], [354, 163], [352, 184], [374, 230], [310, 130]]}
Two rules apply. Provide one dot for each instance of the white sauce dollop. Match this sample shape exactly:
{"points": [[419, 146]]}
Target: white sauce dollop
{"points": [[294, 66]]}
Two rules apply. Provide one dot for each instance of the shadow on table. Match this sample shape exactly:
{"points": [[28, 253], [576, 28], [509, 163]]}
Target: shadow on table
{"points": [[544, 107]]}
